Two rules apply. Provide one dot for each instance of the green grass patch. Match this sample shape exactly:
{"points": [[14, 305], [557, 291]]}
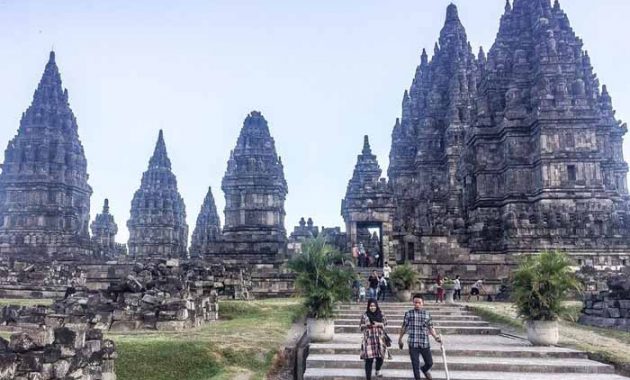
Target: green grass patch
{"points": [[25, 302], [244, 341]]}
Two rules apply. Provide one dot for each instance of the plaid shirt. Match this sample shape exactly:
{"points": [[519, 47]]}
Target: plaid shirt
{"points": [[417, 324]]}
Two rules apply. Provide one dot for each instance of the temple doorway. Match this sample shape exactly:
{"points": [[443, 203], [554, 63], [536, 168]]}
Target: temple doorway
{"points": [[369, 238]]}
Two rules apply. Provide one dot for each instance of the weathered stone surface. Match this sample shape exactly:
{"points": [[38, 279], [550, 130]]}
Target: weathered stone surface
{"points": [[157, 226], [514, 152], [44, 194]]}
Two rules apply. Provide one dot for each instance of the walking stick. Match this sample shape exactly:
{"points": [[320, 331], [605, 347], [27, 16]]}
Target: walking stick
{"points": [[448, 377]]}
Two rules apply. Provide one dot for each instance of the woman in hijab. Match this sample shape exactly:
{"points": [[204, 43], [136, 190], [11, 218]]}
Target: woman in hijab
{"points": [[373, 324]]}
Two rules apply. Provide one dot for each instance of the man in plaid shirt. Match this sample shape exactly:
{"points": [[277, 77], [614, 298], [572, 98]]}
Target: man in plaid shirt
{"points": [[419, 325]]}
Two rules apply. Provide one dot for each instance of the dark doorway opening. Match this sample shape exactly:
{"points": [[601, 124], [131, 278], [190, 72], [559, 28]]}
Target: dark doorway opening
{"points": [[370, 238]]}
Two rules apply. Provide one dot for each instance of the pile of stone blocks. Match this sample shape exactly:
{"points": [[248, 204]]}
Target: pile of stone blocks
{"points": [[609, 308], [73, 351]]}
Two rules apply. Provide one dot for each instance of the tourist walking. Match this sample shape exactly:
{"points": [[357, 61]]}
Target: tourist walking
{"points": [[355, 254], [356, 285], [439, 288], [373, 347], [387, 270], [418, 324], [373, 285], [476, 289], [382, 288], [457, 287]]}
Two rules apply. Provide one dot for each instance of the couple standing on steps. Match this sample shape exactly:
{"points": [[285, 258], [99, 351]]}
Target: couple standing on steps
{"points": [[417, 323]]}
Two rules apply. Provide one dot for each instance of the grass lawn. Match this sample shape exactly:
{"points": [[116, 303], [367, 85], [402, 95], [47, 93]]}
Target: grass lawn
{"points": [[25, 302], [607, 345], [239, 346]]}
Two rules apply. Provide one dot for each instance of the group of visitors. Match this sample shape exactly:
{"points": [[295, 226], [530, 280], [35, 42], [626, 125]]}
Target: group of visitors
{"points": [[364, 258], [417, 323], [377, 286], [475, 289]]}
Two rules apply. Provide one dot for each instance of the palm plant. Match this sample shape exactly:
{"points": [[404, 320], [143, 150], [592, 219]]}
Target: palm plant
{"points": [[541, 285], [404, 277], [322, 277]]}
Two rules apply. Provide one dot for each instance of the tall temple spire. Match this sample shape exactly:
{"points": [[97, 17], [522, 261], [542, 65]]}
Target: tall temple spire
{"points": [[45, 159], [207, 229], [254, 173], [160, 159], [366, 145], [104, 230], [157, 225]]}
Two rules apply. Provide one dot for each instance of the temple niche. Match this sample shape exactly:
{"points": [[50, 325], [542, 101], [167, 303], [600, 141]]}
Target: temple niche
{"points": [[512, 152], [104, 230], [157, 226], [368, 207], [44, 193]]}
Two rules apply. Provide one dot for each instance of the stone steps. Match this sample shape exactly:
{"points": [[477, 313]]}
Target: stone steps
{"points": [[467, 363], [475, 351], [443, 329], [388, 374], [437, 322], [461, 350]]}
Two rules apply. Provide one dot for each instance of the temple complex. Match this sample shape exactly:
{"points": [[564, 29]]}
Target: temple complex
{"points": [[44, 193], [514, 152], [208, 227], [104, 230], [157, 226], [255, 191], [304, 230], [369, 204]]}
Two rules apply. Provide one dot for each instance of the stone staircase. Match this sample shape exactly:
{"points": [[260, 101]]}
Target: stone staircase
{"points": [[475, 351]]}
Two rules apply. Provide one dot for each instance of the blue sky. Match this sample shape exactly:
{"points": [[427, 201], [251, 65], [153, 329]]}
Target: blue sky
{"points": [[323, 73]]}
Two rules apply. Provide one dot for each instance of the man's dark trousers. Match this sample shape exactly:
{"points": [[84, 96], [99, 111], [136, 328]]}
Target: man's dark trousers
{"points": [[414, 354]]}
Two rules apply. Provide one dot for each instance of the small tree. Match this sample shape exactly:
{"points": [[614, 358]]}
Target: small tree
{"points": [[404, 277], [322, 277], [541, 285]]}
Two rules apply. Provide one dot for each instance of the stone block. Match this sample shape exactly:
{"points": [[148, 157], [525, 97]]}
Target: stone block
{"points": [[125, 326], [8, 365], [170, 325], [613, 313], [61, 368], [31, 361], [22, 342]]}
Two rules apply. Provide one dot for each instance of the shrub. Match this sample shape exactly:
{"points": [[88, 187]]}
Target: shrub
{"points": [[541, 284], [322, 277], [404, 277]]}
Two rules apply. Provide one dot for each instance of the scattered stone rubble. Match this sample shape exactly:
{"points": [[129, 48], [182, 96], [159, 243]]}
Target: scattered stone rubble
{"points": [[68, 351], [609, 308]]}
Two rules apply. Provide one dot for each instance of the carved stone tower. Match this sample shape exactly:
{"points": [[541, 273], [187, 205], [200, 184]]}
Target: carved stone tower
{"points": [[255, 191], [369, 203], [157, 226], [208, 228], [44, 193], [104, 230]]}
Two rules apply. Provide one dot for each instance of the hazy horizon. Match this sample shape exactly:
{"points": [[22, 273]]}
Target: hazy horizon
{"points": [[322, 73]]}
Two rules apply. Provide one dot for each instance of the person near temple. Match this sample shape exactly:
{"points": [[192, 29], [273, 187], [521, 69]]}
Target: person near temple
{"points": [[476, 289], [382, 288], [457, 287], [439, 288], [355, 254], [373, 285], [373, 346], [418, 324]]}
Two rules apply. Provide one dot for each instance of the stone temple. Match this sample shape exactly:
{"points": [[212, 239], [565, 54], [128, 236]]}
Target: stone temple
{"points": [[44, 193], [514, 152], [255, 190], [208, 227], [157, 226], [104, 230]]}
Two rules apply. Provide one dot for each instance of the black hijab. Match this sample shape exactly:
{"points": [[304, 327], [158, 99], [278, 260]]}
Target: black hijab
{"points": [[376, 316]]}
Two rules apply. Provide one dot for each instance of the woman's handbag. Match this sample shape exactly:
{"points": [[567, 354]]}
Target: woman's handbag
{"points": [[387, 339]]}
